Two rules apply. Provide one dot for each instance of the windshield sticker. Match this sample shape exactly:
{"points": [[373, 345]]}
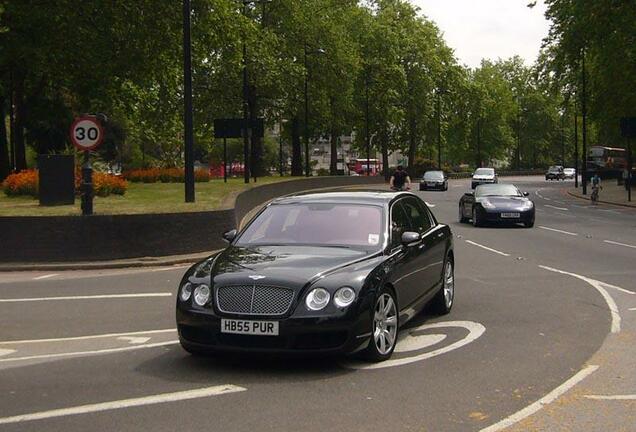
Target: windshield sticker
{"points": [[374, 239]]}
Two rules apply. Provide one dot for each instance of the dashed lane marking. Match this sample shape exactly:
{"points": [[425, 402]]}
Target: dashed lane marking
{"points": [[76, 338], [126, 403], [93, 297], [609, 397], [4, 352], [619, 244], [555, 207], [487, 248], [558, 230], [545, 400], [46, 276], [600, 287]]}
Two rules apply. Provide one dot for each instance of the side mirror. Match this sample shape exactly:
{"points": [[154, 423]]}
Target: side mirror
{"points": [[526, 194], [230, 235], [410, 238], [470, 194]]}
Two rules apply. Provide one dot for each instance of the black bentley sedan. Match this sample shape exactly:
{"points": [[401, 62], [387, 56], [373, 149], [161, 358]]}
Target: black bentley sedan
{"points": [[332, 272], [496, 203]]}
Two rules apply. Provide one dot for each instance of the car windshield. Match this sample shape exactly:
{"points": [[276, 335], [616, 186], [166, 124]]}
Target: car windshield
{"points": [[485, 171], [434, 175], [317, 224], [497, 190], [555, 168]]}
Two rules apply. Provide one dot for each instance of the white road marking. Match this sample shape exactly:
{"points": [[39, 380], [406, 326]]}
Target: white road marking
{"points": [[558, 230], [134, 340], [84, 353], [46, 276], [487, 248], [74, 338], [414, 343], [620, 244], [126, 403], [160, 269], [4, 352], [598, 285], [93, 297], [555, 207], [615, 397], [545, 400], [475, 330], [429, 204], [632, 309]]}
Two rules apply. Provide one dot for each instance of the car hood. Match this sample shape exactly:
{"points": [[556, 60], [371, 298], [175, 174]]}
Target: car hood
{"points": [[287, 266], [507, 203]]}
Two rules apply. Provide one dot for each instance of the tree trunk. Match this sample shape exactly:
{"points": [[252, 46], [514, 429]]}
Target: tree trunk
{"points": [[412, 144], [385, 154], [4, 148], [296, 165], [256, 156], [333, 162], [17, 128]]}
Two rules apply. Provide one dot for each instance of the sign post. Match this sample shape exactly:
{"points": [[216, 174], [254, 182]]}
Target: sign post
{"points": [[237, 128], [86, 135], [628, 131]]}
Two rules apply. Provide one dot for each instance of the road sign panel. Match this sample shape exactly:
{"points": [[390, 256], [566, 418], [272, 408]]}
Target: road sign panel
{"points": [[86, 133], [628, 127]]}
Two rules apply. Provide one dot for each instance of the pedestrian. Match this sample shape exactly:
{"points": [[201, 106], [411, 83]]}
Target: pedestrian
{"points": [[400, 179], [596, 185]]}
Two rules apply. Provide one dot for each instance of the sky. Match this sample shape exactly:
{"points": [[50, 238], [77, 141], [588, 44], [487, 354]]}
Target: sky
{"points": [[490, 29]]}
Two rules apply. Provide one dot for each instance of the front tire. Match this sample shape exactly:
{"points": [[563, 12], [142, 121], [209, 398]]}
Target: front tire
{"points": [[476, 219], [384, 327], [443, 301], [462, 218]]}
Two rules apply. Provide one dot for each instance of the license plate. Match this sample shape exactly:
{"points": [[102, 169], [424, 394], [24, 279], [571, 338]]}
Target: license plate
{"points": [[510, 215], [432, 184], [260, 328]]}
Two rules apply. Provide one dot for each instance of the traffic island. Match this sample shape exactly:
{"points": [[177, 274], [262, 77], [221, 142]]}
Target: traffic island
{"points": [[610, 194]]}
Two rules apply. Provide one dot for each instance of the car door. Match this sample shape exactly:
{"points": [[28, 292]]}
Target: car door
{"points": [[426, 265]]}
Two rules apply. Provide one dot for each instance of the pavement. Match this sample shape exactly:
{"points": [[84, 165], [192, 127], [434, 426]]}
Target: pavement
{"points": [[612, 193], [541, 338]]}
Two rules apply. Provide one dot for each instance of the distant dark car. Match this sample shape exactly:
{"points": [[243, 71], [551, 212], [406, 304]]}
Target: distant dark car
{"points": [[335, 272], [496, 203], [555, 172], [483, 176], [435, 180]]}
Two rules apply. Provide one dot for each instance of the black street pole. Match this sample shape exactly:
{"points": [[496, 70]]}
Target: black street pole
{"points": [[306, 113], [576, 146], [280, 149], [245, 130], [224, 160], [187, 100], [584, 114], [563, 138], [366, 121], [479, 142], [439, 131]]}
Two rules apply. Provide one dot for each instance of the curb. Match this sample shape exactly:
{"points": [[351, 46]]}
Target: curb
{"points": [[106, 265], [601, 201]]}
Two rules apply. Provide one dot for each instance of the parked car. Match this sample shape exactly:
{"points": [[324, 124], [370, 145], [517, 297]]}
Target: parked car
{"points": [[434, 180], [334, 272], [482, 176], [569, 173], [496, 203], [555, 172]]}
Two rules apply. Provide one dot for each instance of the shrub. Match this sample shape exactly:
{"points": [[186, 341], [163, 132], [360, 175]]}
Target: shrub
{"points": [[23, 183], [201, 176], [165, 175], [106, 184]]}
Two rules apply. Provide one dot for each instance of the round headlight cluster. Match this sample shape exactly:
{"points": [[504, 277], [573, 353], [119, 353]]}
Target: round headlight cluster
{"points": [[344, 297], [202, 295], [186, 292], [317, 299]]}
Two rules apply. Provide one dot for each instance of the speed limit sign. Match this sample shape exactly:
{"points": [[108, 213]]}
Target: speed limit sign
{"points": [[86, 133]]}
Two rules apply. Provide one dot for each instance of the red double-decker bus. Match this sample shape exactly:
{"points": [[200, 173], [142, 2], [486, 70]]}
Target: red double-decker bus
{"points": [[607, 161]]}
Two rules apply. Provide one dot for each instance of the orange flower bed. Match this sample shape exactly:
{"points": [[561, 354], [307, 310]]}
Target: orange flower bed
{"points": [[26, 183], [164, 175]]}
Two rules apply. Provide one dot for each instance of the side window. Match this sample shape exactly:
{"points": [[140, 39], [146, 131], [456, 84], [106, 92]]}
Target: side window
{"points": [[417, 214], [399, 224]]}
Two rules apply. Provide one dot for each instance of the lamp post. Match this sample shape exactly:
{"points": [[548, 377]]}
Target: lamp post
{"points": [[366, 120], [187, 102], [576, 146], [306, 52], [439, 92], [584, 115]]}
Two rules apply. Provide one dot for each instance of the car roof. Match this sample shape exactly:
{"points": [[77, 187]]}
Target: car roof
{"points": [[363, 196]]}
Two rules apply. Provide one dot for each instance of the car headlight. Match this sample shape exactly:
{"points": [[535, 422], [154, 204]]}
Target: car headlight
{"points": [[528, 204], [186, 292], [487, 204], [201, 295], [317, 299], [344, 297]]}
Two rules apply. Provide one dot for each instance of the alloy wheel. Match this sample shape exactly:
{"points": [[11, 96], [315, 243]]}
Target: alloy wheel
{"points": [[385, 324], [449, 285]]}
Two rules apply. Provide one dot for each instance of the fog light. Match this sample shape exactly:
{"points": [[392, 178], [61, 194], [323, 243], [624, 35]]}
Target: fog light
{"points": [[186, 292], [201, 295], [344, 297], [317, 299]]}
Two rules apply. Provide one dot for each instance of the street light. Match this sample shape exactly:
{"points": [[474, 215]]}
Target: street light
{"points": [[306, 53]]}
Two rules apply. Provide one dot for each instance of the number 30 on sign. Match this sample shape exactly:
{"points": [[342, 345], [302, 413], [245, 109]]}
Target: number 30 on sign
{"points": [[86, 133]]}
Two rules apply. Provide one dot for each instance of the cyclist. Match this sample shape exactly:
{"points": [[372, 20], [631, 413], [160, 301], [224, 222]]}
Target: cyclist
{"points": [[400, 179], [596, 185]]}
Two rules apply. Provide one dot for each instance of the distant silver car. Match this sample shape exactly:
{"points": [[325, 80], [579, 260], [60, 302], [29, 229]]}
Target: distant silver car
{"points": [[483, 176], [569, 173], [434, 180]]}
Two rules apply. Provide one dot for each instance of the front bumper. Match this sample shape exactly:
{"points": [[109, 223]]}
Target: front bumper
{"points": [[201, 329], [426, 186], [494, 216]]}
